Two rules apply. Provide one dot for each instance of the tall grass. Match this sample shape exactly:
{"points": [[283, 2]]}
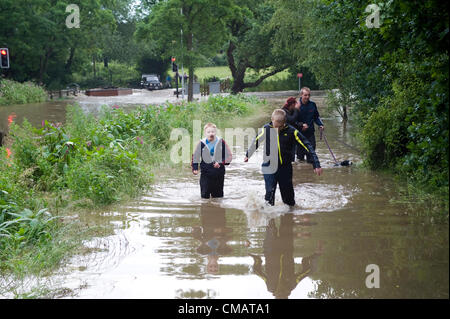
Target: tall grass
{"points": [[223, 72], [12, 92]]}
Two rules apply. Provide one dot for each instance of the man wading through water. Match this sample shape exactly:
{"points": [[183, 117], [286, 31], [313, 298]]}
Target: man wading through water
{"points": [[284, 137], [307, 116]]}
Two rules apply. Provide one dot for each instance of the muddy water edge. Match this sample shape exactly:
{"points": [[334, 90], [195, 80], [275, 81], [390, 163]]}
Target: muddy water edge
{"points": [[348, 226]]}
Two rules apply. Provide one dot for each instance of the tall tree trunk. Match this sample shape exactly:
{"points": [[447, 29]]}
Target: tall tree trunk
{"points": [[93, 61], [238, 75], [191, 68], [345, 117], [238, 82], [69, 62], [44, 64]]}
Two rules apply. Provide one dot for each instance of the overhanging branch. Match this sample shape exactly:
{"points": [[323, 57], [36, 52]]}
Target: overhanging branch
{"points": [[263, 77]]}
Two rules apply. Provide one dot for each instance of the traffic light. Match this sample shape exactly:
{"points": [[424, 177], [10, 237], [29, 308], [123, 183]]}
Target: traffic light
{"points": [[174, 67], [4, 55]]}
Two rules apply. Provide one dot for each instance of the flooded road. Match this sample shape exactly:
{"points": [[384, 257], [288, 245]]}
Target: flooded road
{"points": [[347, 228], [55, 111]]}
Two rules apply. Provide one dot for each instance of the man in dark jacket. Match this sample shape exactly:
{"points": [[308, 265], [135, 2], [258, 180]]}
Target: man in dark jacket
{"points": [[279, 140], [307, 116]]}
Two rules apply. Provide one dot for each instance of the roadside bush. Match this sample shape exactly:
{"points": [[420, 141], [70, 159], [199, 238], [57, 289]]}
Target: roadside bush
{"points": [[409, 133], [12, 92], [120, 74]]}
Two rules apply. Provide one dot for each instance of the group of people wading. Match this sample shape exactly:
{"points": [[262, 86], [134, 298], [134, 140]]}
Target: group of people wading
{"points": [[289, 134]]}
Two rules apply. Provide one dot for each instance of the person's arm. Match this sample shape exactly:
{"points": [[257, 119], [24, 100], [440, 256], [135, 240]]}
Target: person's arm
{"points": [[196, 158], [299, 122], [317, 118], [227, 155], [255, 143], [296, 122], [303, 141]]}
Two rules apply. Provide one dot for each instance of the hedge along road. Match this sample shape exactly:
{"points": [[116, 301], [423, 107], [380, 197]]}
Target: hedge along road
{"points": [[348, 237]]}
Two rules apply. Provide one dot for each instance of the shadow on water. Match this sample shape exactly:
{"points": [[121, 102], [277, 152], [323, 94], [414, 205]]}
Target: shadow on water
{"points": [[170, 243]]}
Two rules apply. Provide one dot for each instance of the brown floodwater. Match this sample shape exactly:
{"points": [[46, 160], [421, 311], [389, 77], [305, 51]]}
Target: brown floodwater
{"points": [[170, 243]]}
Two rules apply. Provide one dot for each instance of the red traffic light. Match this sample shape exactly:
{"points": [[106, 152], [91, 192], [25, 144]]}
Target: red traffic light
{"points": [[4, 58]]}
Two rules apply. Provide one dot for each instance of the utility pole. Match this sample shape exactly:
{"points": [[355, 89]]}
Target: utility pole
{"points": [[299, 75]]}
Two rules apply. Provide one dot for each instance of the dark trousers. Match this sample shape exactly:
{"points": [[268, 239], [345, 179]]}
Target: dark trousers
{"points": [[302, 152], [282, 177], [211, 186]]}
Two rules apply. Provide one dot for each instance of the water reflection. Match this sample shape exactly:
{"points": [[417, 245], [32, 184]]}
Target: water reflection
{"points": [[281, 273], [213, 235]]}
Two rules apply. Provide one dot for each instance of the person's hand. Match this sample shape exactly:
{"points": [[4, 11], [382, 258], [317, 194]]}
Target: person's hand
{"points": [[246, 159], [195, 172], [305, 127], [321, 128], [318, 171], [216, 165]]}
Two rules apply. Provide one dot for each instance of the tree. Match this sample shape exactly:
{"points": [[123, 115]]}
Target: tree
{"points": [[187, 29], [396, 75], [42, 47], [250, 44]]}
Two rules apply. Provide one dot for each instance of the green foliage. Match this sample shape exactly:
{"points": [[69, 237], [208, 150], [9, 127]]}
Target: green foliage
{"points": [[103, 159], [153, 65], [120, 74], [275, 85], [415, 139], [227, 105], [251, 44], [392, 79], [203, 31], [41, 45], [12, 92]]}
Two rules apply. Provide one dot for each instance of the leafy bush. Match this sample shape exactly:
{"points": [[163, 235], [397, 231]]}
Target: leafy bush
{"points": [[408, 132], [121, 75], [12, 92]]}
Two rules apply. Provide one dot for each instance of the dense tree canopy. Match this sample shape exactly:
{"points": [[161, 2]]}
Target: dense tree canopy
{"points": [[187, 30], [396, 75], [250, 44]]}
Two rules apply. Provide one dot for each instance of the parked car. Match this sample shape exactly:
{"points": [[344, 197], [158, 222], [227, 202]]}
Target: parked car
{"points": [[151, 82]]}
